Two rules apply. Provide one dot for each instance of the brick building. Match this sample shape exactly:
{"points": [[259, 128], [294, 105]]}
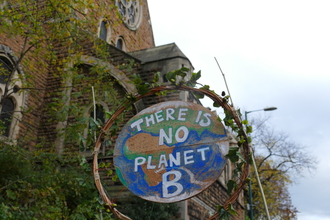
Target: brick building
{"points": [[125, 29]]}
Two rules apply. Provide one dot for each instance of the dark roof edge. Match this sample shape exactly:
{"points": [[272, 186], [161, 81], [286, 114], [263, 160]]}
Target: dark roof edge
{"points": [[169, 58]]}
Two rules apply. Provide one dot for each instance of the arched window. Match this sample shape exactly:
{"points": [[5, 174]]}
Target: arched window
{"points": [[8, 106], [120, 43], [11, 100], [103, 31]]}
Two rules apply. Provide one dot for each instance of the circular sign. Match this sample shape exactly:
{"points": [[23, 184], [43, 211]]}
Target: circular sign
{"points": [[171, 151]]}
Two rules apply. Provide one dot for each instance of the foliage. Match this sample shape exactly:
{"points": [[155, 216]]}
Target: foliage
{"points": [[141, 209], [276, 193], [279, 161], [42, 184], [46, 186]]}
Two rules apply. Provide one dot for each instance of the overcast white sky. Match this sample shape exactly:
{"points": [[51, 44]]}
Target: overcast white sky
{"points": [[273, 53]]}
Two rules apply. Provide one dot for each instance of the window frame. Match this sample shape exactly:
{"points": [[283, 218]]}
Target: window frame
{"points": [[125, 7], [17, 97], [107, 29], [123, 47]]}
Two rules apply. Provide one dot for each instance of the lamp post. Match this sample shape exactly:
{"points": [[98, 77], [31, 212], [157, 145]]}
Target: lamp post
{"points": [[255, 170]]}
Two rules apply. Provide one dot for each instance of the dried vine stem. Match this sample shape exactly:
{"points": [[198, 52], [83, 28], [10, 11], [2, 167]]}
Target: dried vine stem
{"points": [[216, 98]]}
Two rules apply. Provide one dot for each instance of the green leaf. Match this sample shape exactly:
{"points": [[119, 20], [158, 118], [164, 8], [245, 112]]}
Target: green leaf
{"points": [[224, 214], [198, 95], [182, 72], [109, 172], [156, 77], [238, 112], [136, 79], [206, 87], [195, 76], [11, 194], [245, 122], [240, 156], [170, 76], [248, 129], [231, 209], [216, 104], [234, 155], [143, 89], [231, 185]]}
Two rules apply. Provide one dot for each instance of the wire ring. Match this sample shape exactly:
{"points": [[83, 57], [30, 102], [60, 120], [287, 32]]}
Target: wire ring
{"points": [[216, 98]]}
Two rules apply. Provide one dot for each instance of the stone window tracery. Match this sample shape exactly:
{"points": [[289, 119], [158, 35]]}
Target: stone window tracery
{"points": [[131, 12], [11, 99]]}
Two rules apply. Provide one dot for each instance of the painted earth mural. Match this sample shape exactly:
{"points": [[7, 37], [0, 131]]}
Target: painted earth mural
{"points": [[171, 151]]}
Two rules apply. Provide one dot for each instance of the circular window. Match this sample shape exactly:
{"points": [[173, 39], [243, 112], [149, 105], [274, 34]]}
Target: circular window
{"points": [[131, 12]]}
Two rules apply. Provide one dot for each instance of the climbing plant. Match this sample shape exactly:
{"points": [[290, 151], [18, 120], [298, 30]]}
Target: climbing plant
{"points": [[46, 43], [35, 185], [239, 155]]}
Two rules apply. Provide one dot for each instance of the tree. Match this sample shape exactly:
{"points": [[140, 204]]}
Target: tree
{"points": [[279, 161], [45, 92], [275, 190], [151, 211], [289, 156], [36, 185]]}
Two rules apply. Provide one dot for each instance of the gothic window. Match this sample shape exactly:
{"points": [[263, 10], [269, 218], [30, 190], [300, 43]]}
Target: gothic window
{"points": [[8, 105], [131, 12], [10, 99], [120, 44], [104, 31]]}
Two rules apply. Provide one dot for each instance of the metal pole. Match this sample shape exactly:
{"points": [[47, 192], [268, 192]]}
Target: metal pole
{"points": [[256, 173], [260, 186]]}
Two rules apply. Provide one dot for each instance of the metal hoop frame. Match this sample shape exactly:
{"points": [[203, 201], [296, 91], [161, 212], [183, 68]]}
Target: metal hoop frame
{"points": [[216, 98]]}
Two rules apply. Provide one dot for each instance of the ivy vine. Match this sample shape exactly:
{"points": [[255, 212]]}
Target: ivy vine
{"points": [[183, 80]]}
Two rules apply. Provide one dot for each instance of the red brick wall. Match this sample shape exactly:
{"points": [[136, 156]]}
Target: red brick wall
{"points": [[36, 75]]}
